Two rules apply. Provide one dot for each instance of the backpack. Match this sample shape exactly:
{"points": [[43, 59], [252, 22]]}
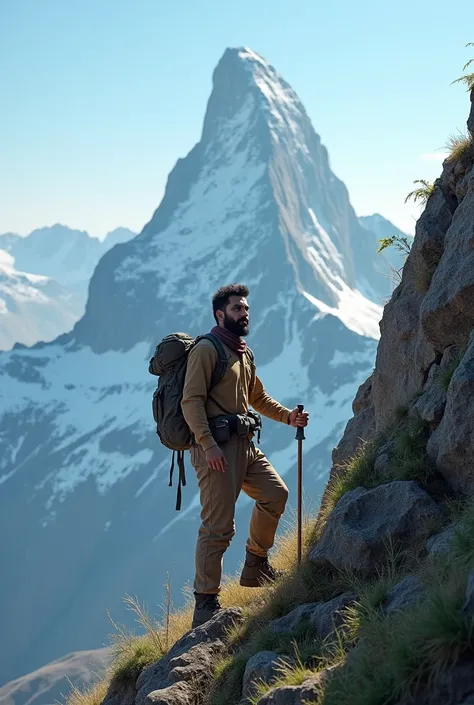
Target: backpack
{"points": [[169, 363]]}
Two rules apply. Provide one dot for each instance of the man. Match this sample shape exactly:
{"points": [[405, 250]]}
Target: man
{"points": [[224, 469]]}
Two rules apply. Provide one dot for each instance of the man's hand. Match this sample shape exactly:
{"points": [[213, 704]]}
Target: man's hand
{"points": [[299, 419], [216, 459]]}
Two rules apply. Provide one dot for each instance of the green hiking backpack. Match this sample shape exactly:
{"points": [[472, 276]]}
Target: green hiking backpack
{"points": [[169, 363]]}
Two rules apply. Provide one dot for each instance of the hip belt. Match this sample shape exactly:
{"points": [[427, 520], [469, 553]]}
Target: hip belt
{"points": [[241, 425]]}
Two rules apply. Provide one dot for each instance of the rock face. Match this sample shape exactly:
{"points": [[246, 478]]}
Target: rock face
{"points": [[262, 666], [406, 593], [180, 677], [447, 313], [452, 444], [324, 617], [356, 533]]}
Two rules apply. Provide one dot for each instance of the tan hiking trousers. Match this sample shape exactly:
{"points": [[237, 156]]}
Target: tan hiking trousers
{"points": [[250, 471]]}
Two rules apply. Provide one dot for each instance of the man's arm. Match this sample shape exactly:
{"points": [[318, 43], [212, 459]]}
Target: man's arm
{"points": [[265, 405], [201, 362]]}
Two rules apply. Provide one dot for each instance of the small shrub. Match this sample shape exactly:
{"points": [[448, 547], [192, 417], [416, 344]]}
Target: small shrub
{"points": [[292, 672], [228, 677], [357, 472], [422, 193], [459, 146], [410, 461], [92, 696], [467, 78]]}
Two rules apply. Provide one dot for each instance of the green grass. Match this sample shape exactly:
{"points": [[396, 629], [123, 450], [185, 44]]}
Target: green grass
{"points": [[459, 146], [422, 193], [467, 78], [227, 681], [409, 461], [292, 672], [399, 653]]}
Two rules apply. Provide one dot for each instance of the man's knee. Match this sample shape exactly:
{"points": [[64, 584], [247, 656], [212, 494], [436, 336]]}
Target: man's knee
{"points": [[277, 498]]}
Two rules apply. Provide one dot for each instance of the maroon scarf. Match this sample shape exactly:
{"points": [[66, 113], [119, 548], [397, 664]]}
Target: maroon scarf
{"points": [[234, 342]]}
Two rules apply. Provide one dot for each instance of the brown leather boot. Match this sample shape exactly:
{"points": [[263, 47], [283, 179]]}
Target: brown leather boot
{"points": [[206, 607], [257, 571]]}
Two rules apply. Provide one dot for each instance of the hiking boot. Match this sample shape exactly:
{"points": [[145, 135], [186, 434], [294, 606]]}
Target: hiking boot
{"points": [[206, 607], [257, 571]]}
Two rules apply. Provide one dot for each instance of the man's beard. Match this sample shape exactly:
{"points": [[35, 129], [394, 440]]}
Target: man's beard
{"points": [[236, 327]]}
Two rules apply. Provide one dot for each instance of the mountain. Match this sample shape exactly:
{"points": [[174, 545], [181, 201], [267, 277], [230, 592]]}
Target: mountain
{"points": [[65, 255], [49, 684], [83, 478], [48, 296], [33, 307]]}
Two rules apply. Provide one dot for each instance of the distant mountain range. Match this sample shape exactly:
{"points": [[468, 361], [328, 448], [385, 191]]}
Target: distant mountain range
{"points": [[44, 279]]}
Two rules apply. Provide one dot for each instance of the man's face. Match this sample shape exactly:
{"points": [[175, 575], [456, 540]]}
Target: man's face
{"points": [[236, 316]]}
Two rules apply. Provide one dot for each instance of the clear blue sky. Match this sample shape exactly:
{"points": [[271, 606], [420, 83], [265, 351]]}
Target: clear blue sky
{"points": [[101, 97]]}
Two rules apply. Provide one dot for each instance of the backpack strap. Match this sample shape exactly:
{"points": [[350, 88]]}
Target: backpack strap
{"points": [[221, 367]]}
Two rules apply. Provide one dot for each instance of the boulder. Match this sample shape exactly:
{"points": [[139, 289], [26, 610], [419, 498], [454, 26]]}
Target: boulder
{"points": [[447, 311], [262, 666], [187, 668], [440, 543], [307, 692], [356, 534], [323, 617], [430, 405], [404, 594], [451, 446]]}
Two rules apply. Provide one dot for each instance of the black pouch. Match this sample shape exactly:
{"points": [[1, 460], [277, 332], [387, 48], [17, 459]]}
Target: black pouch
{"points": [[244, 426], [220, 430]]}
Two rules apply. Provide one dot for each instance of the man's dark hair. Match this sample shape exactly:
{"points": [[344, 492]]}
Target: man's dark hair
{"points": [[222, 296]]}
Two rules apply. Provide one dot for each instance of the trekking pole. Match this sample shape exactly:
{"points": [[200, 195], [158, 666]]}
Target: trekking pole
{"points": [[300, 437]]}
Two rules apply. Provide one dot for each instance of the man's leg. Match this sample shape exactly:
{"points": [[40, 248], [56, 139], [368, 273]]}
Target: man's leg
{"points": [[218, 493], [262, 483]]}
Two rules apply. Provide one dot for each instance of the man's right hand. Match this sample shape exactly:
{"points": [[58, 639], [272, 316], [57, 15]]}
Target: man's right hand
{"points": [[216, 459]]}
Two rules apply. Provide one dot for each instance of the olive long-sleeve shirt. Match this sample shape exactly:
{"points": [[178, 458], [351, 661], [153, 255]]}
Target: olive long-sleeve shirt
{"points": [[239, 389]]}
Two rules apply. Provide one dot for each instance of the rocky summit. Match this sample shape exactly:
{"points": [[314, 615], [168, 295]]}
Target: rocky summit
{"points": [[381, 609], [83, 478]]}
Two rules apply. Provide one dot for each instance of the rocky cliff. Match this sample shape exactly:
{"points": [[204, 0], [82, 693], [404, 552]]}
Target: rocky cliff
{"points": [[382, 608]]}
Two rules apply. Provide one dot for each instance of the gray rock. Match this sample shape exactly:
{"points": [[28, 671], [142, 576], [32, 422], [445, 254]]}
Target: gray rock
{"points": [[307, 692], [430, 406], [262, 666], [324, 617], [440, 543], [468, 607], [384, 456], [451, 445], [454, 686], [356, 532], [294, 619], [404, 594], [470, 120], [447, 312], [187, 668], [404, 353], [363, 398]]}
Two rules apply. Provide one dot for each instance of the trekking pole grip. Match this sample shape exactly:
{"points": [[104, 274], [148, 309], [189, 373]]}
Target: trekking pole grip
{"points": [[300, 430]]}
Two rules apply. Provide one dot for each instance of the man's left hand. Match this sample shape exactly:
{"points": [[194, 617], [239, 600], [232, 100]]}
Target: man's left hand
{"points": [[299, 419]]}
